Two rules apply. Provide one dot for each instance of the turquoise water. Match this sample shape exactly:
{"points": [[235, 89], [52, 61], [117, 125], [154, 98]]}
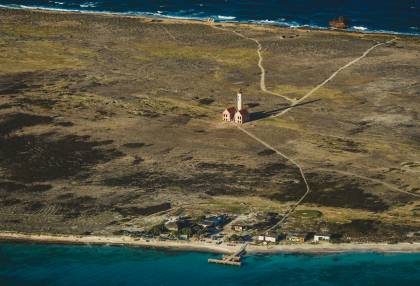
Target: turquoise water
{"points": [[33, 264]]}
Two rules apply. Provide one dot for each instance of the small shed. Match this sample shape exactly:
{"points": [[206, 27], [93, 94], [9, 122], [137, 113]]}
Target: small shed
{"points": [[239, 227], [269, 237], [296, 237], [183, 236], [321, 237]]}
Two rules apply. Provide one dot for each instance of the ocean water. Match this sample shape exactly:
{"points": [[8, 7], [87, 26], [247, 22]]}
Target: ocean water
{"points": [[35, 264], [396, 16]]}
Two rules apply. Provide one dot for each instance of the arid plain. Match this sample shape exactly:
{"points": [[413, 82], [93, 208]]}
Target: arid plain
{"points": [[110, 123]]}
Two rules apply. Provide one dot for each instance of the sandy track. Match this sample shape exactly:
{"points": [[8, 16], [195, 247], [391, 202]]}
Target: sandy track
{"points": [[263, 86], [300, 100], [169, 33], [308, 189]]}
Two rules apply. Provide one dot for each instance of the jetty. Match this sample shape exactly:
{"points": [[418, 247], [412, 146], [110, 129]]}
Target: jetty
{"points": [[233, 259]]}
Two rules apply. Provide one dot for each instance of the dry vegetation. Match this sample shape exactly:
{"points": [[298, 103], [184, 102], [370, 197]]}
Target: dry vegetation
{"points": [[110, 122]]}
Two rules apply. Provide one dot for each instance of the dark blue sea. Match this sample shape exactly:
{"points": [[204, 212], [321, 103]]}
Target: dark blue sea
{"points": [[394, 16], [64, 265]]}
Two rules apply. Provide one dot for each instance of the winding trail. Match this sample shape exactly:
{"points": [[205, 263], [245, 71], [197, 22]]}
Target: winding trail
{"points": [[308, 189], [294, 103], [331, 77], [263, 87]]}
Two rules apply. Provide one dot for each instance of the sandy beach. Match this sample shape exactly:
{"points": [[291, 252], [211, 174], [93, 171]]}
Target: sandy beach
{"points": [[212, 247]]}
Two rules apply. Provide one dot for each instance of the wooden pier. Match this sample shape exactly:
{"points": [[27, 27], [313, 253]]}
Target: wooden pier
{"points": [[234, 259]]}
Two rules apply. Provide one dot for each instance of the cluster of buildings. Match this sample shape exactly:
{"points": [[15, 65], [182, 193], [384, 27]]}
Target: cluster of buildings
{"points": [[213, 228], [246, 227], [293, 237], [237, 114], [186, 227]]}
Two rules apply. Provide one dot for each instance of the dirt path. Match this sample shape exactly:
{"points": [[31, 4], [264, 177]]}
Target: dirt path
{"points": [[300, 100], [308, 189], [263, 87], [169, 33]]}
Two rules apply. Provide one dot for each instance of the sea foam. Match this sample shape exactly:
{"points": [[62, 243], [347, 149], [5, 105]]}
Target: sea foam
{"points": [[88, 5], [226, 17], [360, 28]]}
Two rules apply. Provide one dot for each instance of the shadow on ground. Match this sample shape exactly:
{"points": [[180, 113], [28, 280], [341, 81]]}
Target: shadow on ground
{"points": [[264, 114]]}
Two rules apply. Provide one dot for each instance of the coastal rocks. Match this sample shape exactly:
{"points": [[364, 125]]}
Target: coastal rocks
{"points": [[339, 23]]}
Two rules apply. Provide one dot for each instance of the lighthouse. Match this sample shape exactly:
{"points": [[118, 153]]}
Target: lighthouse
{"points": [[238, 115], [241, 116], [239, 100]]}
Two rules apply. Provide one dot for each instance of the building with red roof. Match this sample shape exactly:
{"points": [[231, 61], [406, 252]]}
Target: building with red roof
{"points": [[241, 116], [238, 115], [229, 114]]}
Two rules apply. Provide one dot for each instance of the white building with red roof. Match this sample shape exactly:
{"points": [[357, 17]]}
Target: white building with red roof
{"points": [[229, 113], [238, 115], [241, 116]]}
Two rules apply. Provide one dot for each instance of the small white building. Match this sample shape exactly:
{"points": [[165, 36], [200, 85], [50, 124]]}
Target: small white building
{"points": [[229, 114], [318, 238], [183, 237], [239, 227], [241, 116], [269, 238]]}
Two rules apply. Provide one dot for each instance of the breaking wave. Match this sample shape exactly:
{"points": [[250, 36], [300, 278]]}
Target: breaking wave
{"points": [[88, 5], [360, 28], [226, 17]]}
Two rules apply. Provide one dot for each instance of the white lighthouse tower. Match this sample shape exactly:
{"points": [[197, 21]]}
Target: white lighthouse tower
{"points": [[239, 101], [241, 115]]}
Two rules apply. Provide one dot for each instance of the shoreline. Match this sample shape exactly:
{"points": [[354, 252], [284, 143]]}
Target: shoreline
{"points": [[126, 241], [203, 21]]}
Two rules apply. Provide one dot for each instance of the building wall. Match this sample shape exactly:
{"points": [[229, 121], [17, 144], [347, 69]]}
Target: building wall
{"points": [[238, 118], [226, 116], [296, 239], [321, 237]]}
